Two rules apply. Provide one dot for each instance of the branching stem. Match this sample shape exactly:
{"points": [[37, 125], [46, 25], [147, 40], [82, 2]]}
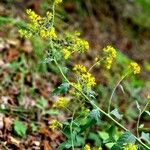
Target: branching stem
{"points": [[95, 106]]}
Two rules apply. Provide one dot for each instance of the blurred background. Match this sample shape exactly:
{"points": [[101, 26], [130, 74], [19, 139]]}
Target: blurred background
{"points": [[26, 82]]}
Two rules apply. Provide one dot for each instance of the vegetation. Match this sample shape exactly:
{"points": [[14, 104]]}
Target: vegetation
{"points": [[83, 113]]}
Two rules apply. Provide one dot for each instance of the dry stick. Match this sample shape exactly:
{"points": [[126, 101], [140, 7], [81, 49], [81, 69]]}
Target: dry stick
{"points": [[112, 94], [94, 105]]}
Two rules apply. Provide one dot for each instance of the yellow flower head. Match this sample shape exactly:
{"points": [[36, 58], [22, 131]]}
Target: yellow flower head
{"points": [[77, 85], [25, 33], [81, 45], [88, 79], [33, 16], [57, 1], [55, 124], [130, 147], [79, 69], [87, 147], [67, 53], [135, 67], [61, 103], [48, 33], [49, 15], [109, 55], [85, 77], [148, 97]]}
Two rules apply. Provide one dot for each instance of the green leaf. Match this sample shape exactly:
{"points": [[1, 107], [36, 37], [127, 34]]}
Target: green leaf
{"points": [[146, 137], [127, 138], [34, 127], [41, 103], [116, 113], [103, 135], [20, 128], [95, 114], [112, 133], [95, 137], [148, 112], [62, 89]]}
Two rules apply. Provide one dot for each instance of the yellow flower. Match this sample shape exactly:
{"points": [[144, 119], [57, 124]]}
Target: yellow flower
{"points": [[43, 33], [88, 79], [55, 124], [24, 33], [51, 33], [33, 16], [67, 53], [61, 103], [148, 97], [81, 45], [135, 67], [100, 148], [48, 33], [58, 1], [77, 86], [109, 55], [87, 147], [49, 15], [79, 69], [110, 51], [85, 77], [130, 147]]}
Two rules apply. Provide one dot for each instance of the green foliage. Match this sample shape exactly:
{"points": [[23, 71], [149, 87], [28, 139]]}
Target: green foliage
{"points": [[62, 89], [116, 114], [20, 128], [85, 121], [126, 138]]}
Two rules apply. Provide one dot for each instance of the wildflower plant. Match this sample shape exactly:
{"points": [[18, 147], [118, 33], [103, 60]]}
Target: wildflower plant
{"points": [[77, 96]]}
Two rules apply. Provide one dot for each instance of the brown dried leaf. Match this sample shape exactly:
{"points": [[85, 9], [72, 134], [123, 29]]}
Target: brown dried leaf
{"points": [[13, 141], [46, 145]]}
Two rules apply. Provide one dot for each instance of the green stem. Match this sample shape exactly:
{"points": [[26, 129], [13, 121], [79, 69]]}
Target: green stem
{"points": [[53, 19], [112, 94], [103, 112], [139, 117], [93, 66], [71, 130], [138, 123]]}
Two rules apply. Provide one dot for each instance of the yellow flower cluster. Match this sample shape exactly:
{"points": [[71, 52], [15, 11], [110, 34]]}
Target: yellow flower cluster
{"points": [[38, 26], [85, 77], [76, 43], [35, 20], [87, 147], [61, 103], [88, 79], [55, 124], [130, 147], [109, 55], [33, 16], [135, 67], [49, 15], [81, 45], [24, 33], [45, 33], [79, 69], [58, 1], [67, 53], [77, 86], [148, 97]]}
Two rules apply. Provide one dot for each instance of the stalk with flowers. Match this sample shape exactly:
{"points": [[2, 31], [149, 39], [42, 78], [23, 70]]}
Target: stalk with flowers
{"points": [[79, 102]]}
